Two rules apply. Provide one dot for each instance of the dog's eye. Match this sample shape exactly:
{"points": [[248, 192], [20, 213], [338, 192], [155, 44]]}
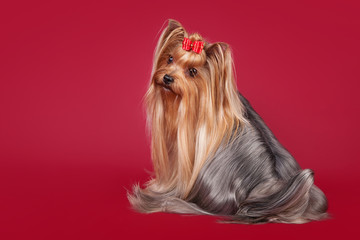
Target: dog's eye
{"points": [[193, 72], [170, 60]]}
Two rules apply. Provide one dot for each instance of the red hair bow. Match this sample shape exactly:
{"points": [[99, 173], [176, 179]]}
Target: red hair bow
{"points": [[196, 46]]}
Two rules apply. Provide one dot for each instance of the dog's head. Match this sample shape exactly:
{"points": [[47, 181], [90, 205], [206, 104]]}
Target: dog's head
{"points": [[185, 72], [178, 71], [192, 102]]}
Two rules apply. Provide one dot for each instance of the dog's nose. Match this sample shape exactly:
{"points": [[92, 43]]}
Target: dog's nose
{"points": [[168, 79]]}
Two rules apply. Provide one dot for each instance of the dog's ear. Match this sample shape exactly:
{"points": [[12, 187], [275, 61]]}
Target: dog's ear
{"points": [[223, 84], [173, 28], [173, 24], [173, 34], [220, 64], [217, 48]]}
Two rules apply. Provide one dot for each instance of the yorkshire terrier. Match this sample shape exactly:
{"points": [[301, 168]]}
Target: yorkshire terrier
{"points": [[212, 153]]}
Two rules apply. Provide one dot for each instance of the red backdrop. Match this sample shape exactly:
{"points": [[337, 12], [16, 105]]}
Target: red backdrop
{"points": [[72, 125]]}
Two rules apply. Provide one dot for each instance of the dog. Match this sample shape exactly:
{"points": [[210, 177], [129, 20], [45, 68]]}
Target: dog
{"points": [[212, 153]]}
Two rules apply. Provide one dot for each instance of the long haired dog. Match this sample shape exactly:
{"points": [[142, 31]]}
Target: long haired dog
{"points": [[212, 153]]}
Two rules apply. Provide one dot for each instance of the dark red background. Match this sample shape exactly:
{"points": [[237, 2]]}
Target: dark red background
{"points": [[72, 125]]}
